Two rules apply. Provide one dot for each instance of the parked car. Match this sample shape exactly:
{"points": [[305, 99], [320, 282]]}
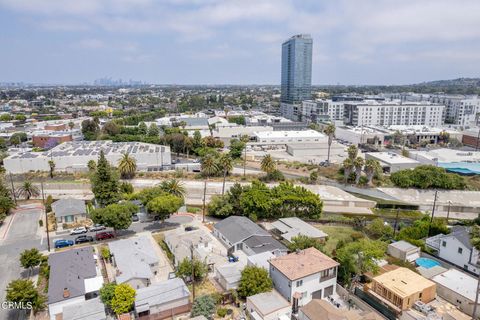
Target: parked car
{"points": [[135, 218], [78, 230], [104, 235], [97, 227], [83, 239], [62, 243]]}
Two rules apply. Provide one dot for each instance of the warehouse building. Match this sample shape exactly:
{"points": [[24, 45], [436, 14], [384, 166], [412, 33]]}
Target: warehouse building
{"points": [[74, 156], [267, 138], [392, 162]]}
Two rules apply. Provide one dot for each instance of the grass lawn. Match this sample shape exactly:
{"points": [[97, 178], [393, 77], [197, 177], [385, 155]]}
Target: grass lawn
{"points": [[335, 234]]}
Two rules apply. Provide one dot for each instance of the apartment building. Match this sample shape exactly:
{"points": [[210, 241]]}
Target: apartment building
{"points": [[459, 109]]}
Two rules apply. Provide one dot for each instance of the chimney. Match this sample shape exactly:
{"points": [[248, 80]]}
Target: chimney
{"points": [[66, 293]]}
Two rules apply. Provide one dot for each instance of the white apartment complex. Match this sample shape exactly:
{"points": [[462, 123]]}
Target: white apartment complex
{"points": [[322, 110], [370, 113], [459, 109]]}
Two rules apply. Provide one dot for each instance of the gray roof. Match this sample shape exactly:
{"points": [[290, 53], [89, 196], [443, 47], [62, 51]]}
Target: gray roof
{"points": [[68, 207], [160, 293], [462, 234], [268, 302], [260, 244], [403, 245], [293, 226], [68, 270], [194, 121], [133, 257], [237, 229], [86, 310]]}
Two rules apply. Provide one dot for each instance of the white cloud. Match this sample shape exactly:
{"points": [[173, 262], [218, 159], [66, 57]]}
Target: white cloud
{"points": [[90, 44]]}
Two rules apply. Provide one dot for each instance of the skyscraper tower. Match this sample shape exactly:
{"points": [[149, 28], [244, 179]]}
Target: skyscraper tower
{"points": [[296, 69]]}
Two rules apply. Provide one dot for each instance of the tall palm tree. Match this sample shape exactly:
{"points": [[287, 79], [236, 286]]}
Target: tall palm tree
{"points": [[358, 165], [127, 166], [28, 190], [268, 165], [330, 132], [226, 164], [475, 240], [174, 187], [371, 167], [352, 152], [347, 168], [209, 168], [51, 164]]}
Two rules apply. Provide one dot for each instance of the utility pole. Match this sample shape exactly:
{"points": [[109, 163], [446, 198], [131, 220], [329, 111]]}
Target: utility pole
{"points": [[433, 212], [193, 271], [448, 210], [396, 222], [204, 198], [13, 190], [46, 217], [245, 160]]}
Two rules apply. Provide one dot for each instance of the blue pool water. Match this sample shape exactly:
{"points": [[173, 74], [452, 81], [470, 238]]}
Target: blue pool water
{"points": [[466, 168], [426, 263]]}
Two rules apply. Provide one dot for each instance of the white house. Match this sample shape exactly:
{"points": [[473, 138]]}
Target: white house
{"points": [[304, 275], [268, 306], [456, 248], [404, 251]]}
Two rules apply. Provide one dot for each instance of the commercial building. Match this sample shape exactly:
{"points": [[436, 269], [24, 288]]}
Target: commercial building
{"points": [[268, 138], [459, 109], [404, 251], [372, 113], [401, 288], [392, 162], [361, 135], [74, 156], [459, 289], [304, 275], [457, 161], [268, 306], [50, 138], [318, 149]]}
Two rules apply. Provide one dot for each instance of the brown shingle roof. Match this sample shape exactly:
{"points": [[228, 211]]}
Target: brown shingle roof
{"points": [[303, 263]]}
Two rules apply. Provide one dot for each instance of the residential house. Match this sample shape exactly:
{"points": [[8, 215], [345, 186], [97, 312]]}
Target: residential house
{"points": [[162, 300], [404, 251], [304, 275], [318, 309], [400, 288], [75, 277], [135, 261], [69, 210], [289, 228], [228, 275], [456, 248], [261, 260], [92, 309], [241, 233], [268, 306]]}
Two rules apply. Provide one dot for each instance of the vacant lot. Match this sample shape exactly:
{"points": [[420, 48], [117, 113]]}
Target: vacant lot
{"points": [[335, 234]]}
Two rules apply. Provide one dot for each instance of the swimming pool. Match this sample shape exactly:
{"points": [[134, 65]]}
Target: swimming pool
{"points": [[426, 263]]}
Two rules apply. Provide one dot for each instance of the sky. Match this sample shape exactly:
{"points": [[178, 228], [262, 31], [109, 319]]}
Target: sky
{"points": [[237, 41]]}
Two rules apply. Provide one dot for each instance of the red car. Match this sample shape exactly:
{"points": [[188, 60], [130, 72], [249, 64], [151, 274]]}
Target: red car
{"points": [[104, 235]]}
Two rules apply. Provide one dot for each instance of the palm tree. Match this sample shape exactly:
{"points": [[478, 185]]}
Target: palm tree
{"points": [[268, 165], [352, 152], [330, 132], [174, 187], [347, 168], [71, 125], [51, 164], [209, 168], [475, 240], [127, 166], [226, 164], [358, 165], [28, 190], [371, 167]]}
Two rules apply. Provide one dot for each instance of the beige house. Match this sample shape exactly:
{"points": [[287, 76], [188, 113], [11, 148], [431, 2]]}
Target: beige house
{"points": [[69, 210], [401, 288]]}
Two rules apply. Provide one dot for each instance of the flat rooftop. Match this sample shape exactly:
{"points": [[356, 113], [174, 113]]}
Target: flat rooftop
{"points": [[448, 155], [391, 158], [268, 302], [458, 282], [403, 282], [289, 134]]}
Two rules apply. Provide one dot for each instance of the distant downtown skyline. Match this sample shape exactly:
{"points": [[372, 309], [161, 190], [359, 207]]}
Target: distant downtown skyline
{"points": [[237, 41]]}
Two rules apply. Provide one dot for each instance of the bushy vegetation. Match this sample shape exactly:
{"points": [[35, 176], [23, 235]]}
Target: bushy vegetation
{"points": [[426, 177]]}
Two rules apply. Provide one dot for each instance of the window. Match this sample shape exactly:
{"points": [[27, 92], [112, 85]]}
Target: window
{"points": [[460, 250], [444, 243], [299, 283]]}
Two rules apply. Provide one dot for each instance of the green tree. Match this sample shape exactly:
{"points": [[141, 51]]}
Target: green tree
{"points": [[30, 258], [15, 140], [51, 164], [90, 129], [348, 166], [209, 168], [28, 190], [313, 176], [254, 280], [6, 202], [142, 128], [92, 165], [352, 152], [302, 242], [148, 194], [236, 148], [127, 166], [20, 117], [111, 128], [163, 206], [268, 164], [48, 203], [371, 168], [126, 187], [184, 269], [71, 125], [153, 130], [225, 162], [358, 166], [197, 139], [104, 183], [203, 306], [378, 229], [123, 299], [107, 292], [24, 291], [174, 187], [5, 117], [116, 216], [330, 132]]}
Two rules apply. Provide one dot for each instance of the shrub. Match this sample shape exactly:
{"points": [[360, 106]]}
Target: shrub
{"points": [[222, 312], [426, 177]]}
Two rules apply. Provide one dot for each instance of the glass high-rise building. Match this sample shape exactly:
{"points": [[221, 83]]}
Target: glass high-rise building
{"points": [[296, 69]]}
